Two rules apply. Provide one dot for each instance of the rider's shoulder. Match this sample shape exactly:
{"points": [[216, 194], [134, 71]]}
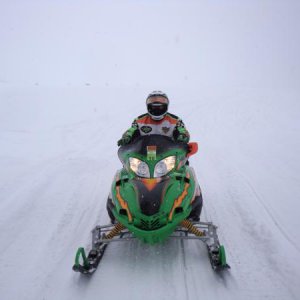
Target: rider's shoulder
{"points": [[173, 116], [142, 116]]}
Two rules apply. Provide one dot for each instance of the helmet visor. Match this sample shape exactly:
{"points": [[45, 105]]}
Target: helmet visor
{"points": [[157, 109]]}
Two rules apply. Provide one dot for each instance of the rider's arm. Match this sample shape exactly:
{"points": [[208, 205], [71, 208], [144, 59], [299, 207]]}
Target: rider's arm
{"points": [[180, 133], [129, 134]]}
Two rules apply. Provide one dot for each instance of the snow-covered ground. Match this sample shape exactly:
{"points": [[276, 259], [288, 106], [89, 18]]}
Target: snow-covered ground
{"points": [[73, 76]]}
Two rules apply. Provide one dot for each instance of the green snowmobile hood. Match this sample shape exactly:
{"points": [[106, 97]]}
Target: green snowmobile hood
{"points": [[151, 208]]}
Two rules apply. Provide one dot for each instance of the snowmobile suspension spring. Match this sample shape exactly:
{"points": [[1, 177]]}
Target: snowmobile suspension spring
{"points": [[115, 231], [191, 228]]}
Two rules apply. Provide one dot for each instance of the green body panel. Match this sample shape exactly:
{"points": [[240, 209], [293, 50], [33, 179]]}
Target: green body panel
{"points": [[178, 184], [222, 256], [81, 254]]}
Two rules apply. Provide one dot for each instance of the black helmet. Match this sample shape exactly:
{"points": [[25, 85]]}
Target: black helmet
{"points": [[157, 105]]}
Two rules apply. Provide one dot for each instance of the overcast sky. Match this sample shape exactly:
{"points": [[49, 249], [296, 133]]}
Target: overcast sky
{"points": [[140, 43]]}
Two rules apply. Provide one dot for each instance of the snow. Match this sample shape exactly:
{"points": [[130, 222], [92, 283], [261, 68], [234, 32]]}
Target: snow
{"points": [[73, 75]]}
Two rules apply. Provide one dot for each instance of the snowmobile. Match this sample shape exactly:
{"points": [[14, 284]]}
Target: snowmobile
{"points": [[155, 196]]}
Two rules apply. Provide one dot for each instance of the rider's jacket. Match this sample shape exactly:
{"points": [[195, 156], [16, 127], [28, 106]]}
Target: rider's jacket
{"points": [[170, 126]]}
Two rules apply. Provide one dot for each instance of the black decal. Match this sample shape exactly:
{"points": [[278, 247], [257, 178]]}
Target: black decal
{"points": [[165, 129], [146, 129]]}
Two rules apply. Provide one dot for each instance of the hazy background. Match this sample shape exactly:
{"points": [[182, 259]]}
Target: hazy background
{"points": [[73, 76], [151, 44]]}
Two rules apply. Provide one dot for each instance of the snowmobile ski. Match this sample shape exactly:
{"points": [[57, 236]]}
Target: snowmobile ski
{"points": [[152, 198], [100, 241], [103, 235]]}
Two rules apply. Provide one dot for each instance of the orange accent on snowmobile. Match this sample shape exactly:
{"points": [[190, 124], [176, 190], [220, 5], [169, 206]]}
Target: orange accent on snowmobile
{"points": [[191, 228], [123, 203], [179, 200], [150, 183], [193, 149]]}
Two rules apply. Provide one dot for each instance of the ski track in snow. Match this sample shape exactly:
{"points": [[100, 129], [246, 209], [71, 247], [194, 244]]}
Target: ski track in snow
{"points": [[73, 77], [268, 211], [58, 200], [257, 233]]}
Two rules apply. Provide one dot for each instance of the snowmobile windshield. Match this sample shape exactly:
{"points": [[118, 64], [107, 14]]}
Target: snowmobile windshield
{"points": [[151, 148]]}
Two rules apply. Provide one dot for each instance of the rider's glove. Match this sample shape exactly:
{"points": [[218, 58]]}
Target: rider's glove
{"points": [[126, 139], [181, 134], [128, 136], [182, 138]]}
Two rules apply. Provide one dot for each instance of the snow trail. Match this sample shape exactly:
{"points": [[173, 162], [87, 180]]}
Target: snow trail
{"points": [[74, 76]]}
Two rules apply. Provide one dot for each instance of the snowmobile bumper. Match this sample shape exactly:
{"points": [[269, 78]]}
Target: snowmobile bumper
{"points": [[103, 235]]}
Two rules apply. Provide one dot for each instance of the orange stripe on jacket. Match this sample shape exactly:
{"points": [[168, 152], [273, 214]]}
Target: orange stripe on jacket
{"points": [[147, 120]]}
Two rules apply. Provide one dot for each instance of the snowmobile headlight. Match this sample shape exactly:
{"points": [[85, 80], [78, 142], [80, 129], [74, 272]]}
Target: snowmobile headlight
{"points": [[164, 166], [139, 167]]}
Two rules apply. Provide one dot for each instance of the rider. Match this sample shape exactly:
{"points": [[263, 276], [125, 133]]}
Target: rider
{"points": [[156, 121], [159, 121]]}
